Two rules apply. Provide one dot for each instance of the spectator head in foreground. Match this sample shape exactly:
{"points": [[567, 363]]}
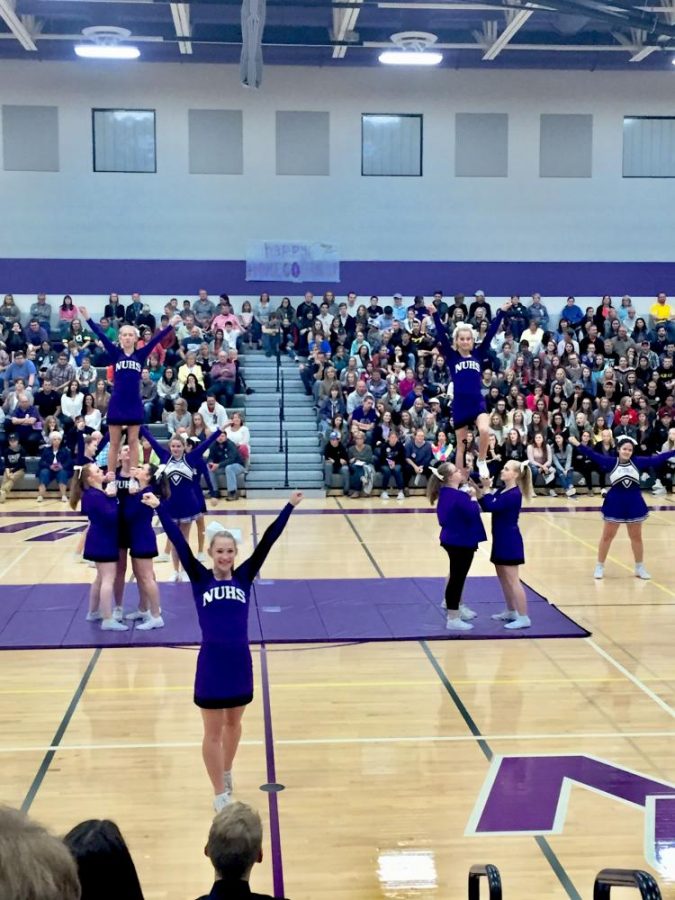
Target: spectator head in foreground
{"points": [[106, 869], [34, 865]]}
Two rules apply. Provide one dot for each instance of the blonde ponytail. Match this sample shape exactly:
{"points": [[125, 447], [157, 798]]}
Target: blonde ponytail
{"points": [[438, 478], [525, 481]]}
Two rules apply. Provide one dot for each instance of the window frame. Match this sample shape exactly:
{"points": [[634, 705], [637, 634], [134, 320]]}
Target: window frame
{"points": [[107, 109], [419, 116]]}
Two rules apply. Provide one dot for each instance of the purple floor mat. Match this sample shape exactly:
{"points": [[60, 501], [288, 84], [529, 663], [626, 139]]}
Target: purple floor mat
{"points": [[377, 609]]}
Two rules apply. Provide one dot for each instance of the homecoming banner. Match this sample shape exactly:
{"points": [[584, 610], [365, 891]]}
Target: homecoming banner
{"points": [[294, 261]]}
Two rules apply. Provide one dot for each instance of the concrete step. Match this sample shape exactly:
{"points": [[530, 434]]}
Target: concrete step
{"points": [[272, 401], [276, 493], [297, 413], [295, 442], [261, 430], [296, 457], [270, 387], [295, 479]]}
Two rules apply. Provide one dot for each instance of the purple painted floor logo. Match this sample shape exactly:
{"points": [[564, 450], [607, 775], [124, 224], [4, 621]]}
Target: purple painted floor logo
{"points": [[529, 795]]}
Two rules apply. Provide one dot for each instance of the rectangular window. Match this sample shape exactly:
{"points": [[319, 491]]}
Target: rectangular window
{"points": [[303, 143], [391, 144], [124, 140], [648, 147], [565, 146], [481, 145], [30, 138], [216, 141]]}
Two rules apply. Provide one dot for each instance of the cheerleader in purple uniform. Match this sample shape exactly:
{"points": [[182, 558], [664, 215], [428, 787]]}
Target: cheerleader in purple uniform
{"points": [[508, 553], [180, 471], [461, 533], [126, 406], [464, 363], [624, 503], [101, 543], [224, 677]]}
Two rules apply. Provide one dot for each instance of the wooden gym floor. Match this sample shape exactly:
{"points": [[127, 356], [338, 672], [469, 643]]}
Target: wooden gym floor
{"points": [[383, 749]]}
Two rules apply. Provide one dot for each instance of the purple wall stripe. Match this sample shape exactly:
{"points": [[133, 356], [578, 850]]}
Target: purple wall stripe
{"points": [[497, 279]]}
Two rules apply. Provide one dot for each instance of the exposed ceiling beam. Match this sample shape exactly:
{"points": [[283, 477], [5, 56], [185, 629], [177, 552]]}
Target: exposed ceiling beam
{"points": [[344, 22], [515, 23], [180, 13], [16, 26]]}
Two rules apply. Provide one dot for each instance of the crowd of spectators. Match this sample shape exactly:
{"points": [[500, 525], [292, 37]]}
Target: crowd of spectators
{"points": [[56, 380], [383, 393], [93, 861], [382, 390]]}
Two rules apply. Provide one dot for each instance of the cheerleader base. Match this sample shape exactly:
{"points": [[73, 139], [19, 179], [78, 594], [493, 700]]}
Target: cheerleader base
{"points": [[303, 611]]}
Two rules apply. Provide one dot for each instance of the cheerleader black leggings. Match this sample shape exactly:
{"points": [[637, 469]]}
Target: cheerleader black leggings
{"points": [[460, 563]]}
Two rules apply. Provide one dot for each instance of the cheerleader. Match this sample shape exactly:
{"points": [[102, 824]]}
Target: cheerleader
{"points": [[141, 544], [461, 533], [507, 542], [180, 470], [126, 406], [624, 503], [101, 543], [224, 676], [468, 406]]}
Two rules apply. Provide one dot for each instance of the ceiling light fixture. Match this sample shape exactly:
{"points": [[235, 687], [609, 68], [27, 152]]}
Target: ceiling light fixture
{"points": [[104, 42], [412, 50]]}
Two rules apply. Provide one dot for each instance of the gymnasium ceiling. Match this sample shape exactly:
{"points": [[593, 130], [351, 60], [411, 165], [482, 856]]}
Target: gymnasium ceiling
{"points": [[556, 34]]}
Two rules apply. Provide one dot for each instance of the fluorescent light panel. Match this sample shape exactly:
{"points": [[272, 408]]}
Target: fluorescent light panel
{"points": [[410, 58], [107, 51]]}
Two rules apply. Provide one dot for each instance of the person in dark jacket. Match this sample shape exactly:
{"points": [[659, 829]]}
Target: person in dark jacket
{"points": [[234, 846], [224, 458], [392, 460], [14, 467], [336, 461]]}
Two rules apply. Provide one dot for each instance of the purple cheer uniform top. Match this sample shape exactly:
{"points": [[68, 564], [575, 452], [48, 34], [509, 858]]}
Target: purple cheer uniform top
{"points": [[468, 402], [136, 523], [101, 543], [186, 502], [459, 518], [624, 501], [126, 406], [507, 541], [224, 675]]}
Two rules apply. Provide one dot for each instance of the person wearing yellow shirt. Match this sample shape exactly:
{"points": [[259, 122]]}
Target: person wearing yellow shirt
{"points": [[661, 312]]}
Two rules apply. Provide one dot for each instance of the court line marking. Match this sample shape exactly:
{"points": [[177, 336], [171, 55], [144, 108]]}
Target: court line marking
{"points": [[361, 541], [547, 851], [322, 685], [14, 561], [326, 742], [60, 731], [617, 562], [633, 678]]}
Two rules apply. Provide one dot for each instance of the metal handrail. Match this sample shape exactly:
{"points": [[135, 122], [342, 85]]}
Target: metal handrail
{"points": [[278, 366], [494, 880], [282, 415], [286, 484], [606, 879]]}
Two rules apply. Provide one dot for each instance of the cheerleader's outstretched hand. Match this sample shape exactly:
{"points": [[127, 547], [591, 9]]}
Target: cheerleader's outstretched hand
{"points": [[175, 321], [295, 498], [84, 312], [506, 306], [574, 441], [150, 500]]}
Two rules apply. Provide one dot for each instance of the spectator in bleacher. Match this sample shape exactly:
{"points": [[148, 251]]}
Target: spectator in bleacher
{"points": [[9, 312], [247, 324], [15, 341], [61, 373], [225, 458], [660, 312], [114, 310], [34, 865], [47, 400], [223, 378], [42, 311], [533, 336], [330, 407], [336, 461], [480, 303], [86, 375], [20, 369], [562, 463], [134, 309], [190, 367], [271, 335], [192, 341], [168, 389], [391, 462], [360, 466], [204, 310], [102, 397], [92, 416], [213, 413], [239, 434], [146, 319], [179, 420], [418, 457], [540, 458], [25, 421], [71, 404], [56, 464], [35, 333], [104, 864], [193, 393], [365, 417], [67, 314], [223, 315], [14, 466]]}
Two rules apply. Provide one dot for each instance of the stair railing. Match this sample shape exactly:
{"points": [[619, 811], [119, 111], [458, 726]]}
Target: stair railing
{"points": [[286, 484], [494, 881], [606, 879], [278, 367], [282, 414]]}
